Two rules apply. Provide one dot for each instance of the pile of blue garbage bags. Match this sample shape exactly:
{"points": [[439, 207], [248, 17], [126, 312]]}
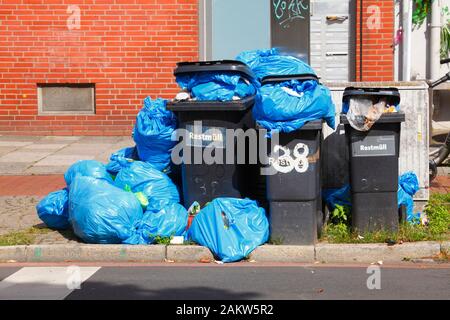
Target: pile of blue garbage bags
{"points": [[133, 200], [136, 203], [286, 106]]}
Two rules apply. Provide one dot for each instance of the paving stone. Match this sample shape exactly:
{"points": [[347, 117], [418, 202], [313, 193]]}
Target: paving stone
{"points": [[62, 160], [25, 156], [38, 185], [99, 140], [45, 146], [85, 149], [9, 168], [98, 253], [13, 253], [53, 253], [368, 253], [57, 139], [18, 213], [188, 254], [13, 143], [271, 253], [46, 170], [57, 237], [20, 138], [6, 150], [445, 247]]}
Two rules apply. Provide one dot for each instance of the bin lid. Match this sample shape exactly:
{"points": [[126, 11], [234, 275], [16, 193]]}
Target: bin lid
{"points": [[214, 66], [235, 105], [395, 117], [392, 94], [283, 78], [311, 125]]}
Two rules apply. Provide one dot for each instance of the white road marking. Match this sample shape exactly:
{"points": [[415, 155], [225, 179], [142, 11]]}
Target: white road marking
{"points": [[44, 283]]}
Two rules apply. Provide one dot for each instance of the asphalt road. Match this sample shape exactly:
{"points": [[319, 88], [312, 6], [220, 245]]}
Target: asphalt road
{"points": [[215, 282]]}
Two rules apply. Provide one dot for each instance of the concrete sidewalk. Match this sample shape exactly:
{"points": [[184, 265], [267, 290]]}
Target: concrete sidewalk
{"points": [[23, 155]]}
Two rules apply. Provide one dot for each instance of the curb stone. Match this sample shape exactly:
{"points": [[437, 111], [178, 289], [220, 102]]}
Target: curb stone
{"points": [[52, 253], [14, 253], [369, 253], [272, 253], [83, 253], [181, 253], [328, 253], [124, 253], [445, 246]]}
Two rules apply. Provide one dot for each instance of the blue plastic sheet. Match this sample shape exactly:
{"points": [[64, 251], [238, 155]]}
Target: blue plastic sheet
{"points": [[127, 154], [288, 106], [102, 213], [143, 177], [87, 168], [341, 197], [407, 188], [53, 210], [153, 133], [169, 221], [230, 228], [269, 63], [207, 86]]}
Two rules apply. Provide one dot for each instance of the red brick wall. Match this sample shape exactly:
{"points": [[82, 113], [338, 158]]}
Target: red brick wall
{"points": [[378, 54], [128, 48]]}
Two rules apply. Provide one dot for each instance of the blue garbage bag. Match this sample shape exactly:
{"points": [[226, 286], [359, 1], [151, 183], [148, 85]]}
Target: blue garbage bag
{"points": [[154, 184], [87, 168], [53, 210], [269, 62], [341, 197], [289, 105], [212, 86], [102, 213], [114, 165], [168, 221], [230, 228], [408, 186], [153, 133]]}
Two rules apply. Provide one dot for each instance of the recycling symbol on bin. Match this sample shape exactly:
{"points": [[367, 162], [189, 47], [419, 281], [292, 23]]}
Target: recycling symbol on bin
{"points": [[286, 162]]}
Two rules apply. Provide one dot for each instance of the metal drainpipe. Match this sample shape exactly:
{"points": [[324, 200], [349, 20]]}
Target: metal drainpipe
{"points": [[407, 8], [361, 40], [435, 40]]}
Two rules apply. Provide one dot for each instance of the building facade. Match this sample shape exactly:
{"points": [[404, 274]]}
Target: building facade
{"points": [[83, 67]]}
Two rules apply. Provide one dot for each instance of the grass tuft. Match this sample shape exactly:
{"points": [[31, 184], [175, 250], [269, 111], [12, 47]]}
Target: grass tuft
{"points": [[438, 228], [23, 237]]}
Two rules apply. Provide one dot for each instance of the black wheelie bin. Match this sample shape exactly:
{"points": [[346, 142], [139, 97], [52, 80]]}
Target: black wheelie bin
{"points": [[374, 167], [206, 124], [294, 180]]}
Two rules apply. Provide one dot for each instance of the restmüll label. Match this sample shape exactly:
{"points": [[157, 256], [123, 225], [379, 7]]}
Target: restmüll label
{"points": [[373, 146], [206, 137]]}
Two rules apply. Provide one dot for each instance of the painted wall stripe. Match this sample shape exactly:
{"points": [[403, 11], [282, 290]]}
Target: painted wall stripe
{"points": [[44, 283]]}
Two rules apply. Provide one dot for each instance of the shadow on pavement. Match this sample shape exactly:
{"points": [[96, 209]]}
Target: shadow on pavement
{"points": [[68, 234], [104, 291]]}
